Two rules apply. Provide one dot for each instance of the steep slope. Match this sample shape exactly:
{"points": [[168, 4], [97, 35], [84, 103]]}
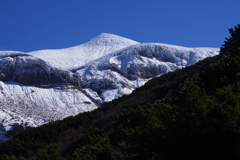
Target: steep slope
{"points": [[77, 56]]}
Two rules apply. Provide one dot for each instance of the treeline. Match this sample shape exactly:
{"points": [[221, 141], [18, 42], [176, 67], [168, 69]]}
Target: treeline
{"points": [[192, 113]]}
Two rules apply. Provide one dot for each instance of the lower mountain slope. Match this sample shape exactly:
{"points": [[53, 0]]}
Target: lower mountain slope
{"points": [[191, 113]]}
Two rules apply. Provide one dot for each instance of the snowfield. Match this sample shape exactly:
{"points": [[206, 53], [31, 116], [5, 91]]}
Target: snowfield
{"points": [[47, 85]]}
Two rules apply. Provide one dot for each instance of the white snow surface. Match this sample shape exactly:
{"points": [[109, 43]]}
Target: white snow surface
{"points": [[33, 106], [108, 67], [73, 57]]}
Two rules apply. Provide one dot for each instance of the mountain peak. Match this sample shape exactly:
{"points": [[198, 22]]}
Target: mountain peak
{"points": [[107, 35], [110, 39]]}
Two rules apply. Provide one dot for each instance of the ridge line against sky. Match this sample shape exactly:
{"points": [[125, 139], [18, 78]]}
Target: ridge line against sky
{"points": [[54, 24]]}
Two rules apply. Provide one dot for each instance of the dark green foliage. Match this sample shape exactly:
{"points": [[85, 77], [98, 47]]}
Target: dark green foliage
{"points": [[52, 153], [231, 45], [192, 113], [11, 157]]}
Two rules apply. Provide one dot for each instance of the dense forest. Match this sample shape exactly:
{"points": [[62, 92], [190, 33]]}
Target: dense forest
{"points": [[191, 114]]}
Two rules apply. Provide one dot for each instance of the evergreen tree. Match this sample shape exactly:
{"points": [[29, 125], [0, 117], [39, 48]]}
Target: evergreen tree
{"points": [[232, 44]]}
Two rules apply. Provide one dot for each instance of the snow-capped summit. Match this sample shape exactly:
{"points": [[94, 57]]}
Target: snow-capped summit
{"points": [[107, 39], [74, 57]]}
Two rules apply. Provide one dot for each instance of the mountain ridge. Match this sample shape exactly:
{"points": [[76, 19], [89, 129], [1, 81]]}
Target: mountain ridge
{"points": [[100, 45]]}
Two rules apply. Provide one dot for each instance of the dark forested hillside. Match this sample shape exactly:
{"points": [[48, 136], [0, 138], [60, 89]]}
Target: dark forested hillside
{"points": [[190, 114]]}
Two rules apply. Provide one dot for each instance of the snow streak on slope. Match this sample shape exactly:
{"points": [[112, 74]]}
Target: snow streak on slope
{"points": [[78, 56]]}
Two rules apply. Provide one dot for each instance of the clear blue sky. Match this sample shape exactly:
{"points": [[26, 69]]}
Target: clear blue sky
{"points": [[27, 25]]}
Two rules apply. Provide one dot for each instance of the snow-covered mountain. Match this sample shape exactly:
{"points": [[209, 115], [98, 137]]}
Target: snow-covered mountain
{"points": [[47, 85]]}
